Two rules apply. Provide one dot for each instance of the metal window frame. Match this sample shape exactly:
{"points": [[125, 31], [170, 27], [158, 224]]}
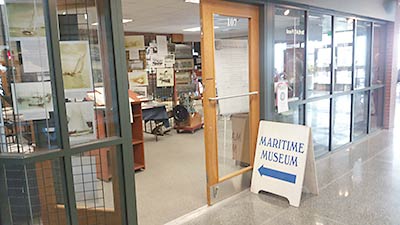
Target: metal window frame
{"points": [[112, 19], [268, 105]]}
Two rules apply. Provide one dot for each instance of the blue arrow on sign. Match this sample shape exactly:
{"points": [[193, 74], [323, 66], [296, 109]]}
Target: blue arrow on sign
{"points": [[264, 171]]}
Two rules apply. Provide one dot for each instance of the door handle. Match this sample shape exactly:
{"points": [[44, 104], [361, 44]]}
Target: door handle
{"points": [[233, 96]]}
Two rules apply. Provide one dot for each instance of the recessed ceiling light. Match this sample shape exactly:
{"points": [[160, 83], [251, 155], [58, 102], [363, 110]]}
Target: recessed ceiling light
{"points": [[287, 11], [127, 20], [195, 29], [193, 1]]}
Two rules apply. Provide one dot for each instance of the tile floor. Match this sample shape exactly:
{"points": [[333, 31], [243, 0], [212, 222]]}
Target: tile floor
{"points": [[358, 186]]}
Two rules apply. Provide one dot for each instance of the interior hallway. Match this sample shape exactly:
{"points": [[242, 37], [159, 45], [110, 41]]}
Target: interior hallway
{"points": [[359, 185]]}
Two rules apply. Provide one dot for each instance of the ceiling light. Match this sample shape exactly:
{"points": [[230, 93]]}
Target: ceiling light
{"points": [[127, 20], [2, 2], [193, 1], [95, 24], [286, 12], [195, 29]]}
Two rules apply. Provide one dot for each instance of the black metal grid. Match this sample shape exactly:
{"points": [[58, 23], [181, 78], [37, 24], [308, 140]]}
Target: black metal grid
{"points": [[35, 198]]}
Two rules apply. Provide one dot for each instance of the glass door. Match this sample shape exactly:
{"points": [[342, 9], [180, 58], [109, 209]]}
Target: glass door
{"points": [[230, 59]]}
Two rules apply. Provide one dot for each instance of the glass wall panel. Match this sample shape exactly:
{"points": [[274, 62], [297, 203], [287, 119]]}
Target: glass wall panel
{"points": [[232, 67], [319, 55], [360, 114], [27, 108], [341, 121], [343, 54], [376, 112], [90, 94], [289, 50], [293, 116], [362, 54], [378, 60], [317, 117]]}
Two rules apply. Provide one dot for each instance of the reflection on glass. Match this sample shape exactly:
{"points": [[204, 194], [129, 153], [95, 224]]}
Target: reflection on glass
{"points": [[232, 78], [293, 116], [96, 186], [360, 114], [319, 49], [376, 111], [91, 114], [343, 54], [289, 50], [362, 54], [378, 60], [318, 119], [341, 121], [27, 121]]}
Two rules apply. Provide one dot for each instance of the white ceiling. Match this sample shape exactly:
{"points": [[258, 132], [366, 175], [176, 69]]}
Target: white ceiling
{"points": [[160, 16]]}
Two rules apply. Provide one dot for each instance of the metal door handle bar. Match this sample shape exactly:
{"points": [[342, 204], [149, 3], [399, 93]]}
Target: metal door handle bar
{"points": [[233, 96]]}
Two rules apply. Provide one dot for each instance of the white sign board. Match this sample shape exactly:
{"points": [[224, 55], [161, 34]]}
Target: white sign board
{"points": [[284, 160], [282, 91], [232, 75]]}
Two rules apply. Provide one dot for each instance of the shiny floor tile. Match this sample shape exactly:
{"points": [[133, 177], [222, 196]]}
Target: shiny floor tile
{"points": [[359, 185]]}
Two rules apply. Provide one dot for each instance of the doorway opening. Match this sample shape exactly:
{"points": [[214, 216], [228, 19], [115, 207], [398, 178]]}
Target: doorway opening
{"points": [[163, 56], [182, 76]]}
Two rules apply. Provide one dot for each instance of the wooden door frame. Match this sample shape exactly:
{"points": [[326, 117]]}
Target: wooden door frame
{"points": [[207, 9]]}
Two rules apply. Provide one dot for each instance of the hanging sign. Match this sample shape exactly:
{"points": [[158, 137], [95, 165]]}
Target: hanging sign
{"points": [[282, 91], [284, 160]]}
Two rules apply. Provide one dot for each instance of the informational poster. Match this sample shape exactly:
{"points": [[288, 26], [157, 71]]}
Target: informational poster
{"points": [[169, 60], [284, 161], [157, 61], [232, 75], [282, 91], [34, 55], [162, 44], [165, 77]]}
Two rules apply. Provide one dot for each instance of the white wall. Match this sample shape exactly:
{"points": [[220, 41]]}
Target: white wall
{"points": [[379, 9]]}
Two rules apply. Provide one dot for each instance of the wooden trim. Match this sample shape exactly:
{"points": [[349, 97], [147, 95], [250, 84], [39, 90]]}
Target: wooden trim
{"points": [[234, 174], [207, 9]]}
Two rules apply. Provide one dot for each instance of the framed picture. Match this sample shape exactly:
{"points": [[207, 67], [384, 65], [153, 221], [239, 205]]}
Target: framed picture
{"points": [[141, 91], [138, 78], [134, 42], [76, 65], [81, 119], [184, 64], [183, 51], [25, 19], [33, 100], [182, 77], [165, 77]]}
